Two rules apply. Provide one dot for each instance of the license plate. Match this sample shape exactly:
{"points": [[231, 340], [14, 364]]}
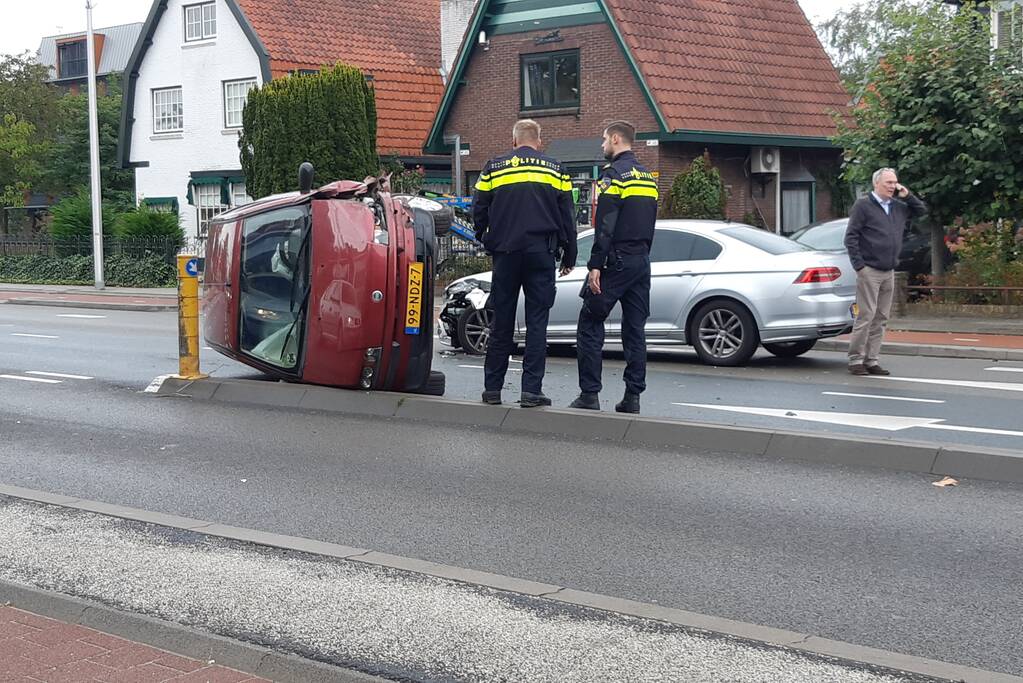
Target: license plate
{"points": [[414, 300], [854, 310]]}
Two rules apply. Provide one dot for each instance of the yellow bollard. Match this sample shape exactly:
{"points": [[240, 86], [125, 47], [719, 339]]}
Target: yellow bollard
{"points": [[188, 318]]}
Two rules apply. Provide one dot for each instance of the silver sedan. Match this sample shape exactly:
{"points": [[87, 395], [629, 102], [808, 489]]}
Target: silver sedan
{"points": [[723, 288]]}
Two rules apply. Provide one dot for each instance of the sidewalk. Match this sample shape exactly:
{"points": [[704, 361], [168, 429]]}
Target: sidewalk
{"points": [[36, 648], [111, 298]]}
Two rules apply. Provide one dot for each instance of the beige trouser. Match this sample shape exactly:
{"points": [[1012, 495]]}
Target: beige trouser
{"points": [[874, 290]]}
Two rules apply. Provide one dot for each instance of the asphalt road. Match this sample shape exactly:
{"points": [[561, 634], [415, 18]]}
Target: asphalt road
{"points": [[872, 557]]}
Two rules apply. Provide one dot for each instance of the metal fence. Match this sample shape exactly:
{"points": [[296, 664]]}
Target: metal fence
{"points": [[457, 257], [165, 248]]}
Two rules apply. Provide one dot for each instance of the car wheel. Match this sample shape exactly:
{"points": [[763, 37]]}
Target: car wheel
{"points": [[723, 333], [474, 330], [442, 214], [791, 349]]}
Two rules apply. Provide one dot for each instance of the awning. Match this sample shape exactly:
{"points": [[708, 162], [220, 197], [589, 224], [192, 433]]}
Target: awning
{"points": [[213, 178], [161, 203]]}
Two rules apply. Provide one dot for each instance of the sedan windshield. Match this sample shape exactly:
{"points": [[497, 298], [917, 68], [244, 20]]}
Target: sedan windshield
{"points": [[763, 240]]}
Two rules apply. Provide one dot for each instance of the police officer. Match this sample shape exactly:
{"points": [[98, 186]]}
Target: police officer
{"points": [[523, 214], [619, 269]]}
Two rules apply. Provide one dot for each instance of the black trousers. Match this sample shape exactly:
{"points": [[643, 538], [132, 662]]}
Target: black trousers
{"points": [[532, 272], [627, 283]]}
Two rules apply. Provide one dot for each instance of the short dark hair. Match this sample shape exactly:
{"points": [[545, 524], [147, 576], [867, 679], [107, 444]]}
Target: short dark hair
{"points": [[625, 130]]}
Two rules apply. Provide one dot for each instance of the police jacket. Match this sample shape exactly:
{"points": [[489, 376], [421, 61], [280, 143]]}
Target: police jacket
{"points": [[523, 200], [873, 237], [626, 210]]}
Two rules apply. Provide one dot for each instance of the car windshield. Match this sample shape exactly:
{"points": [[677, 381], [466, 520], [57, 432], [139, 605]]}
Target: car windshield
{"points": [[763, 240], [826, 236]]}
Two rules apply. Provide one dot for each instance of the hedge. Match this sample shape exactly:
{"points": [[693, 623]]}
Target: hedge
{"points": [[119, 271]]}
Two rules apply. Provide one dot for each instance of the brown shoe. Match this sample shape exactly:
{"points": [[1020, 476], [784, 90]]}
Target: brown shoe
{"points": [[858, 369], [877, 370]]}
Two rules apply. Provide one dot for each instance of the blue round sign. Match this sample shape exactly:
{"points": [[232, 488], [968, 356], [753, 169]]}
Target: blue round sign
{"points": [[192, 267]]}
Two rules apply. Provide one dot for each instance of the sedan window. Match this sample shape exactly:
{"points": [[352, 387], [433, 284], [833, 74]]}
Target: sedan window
{"points": [[705, 249], [763, 240], [671, 245]]}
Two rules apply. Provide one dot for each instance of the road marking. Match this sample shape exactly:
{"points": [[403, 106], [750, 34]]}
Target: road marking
{"points": [[31, 379], [891, 423], [155, 385], [476, 367], [79, 315], [56, 374], [979, 430], [1001, 386], [964, 339], [34, 336], [1005, 369], [886, 398]]}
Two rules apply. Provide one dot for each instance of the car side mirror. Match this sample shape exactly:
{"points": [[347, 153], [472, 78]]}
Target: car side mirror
{"points": [[305, 177]]}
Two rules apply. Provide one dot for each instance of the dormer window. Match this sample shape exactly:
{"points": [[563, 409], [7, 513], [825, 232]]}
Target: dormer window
{"points": [[71, 60], [200, 21]]}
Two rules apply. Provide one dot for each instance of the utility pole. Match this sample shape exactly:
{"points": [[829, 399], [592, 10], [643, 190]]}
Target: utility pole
{"points": [[97, 204]]}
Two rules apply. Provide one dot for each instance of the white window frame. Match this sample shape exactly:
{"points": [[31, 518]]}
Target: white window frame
{"points": [[207, 206], [162, 121], [200, 21], [239, 195], [233, 116]]}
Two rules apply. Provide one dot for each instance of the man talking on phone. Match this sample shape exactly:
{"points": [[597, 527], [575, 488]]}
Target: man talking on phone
{"points": [[873, 239]]}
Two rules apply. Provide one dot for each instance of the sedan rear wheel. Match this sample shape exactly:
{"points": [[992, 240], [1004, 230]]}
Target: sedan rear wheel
{"points": [[474, 330], [724, 333], [791, 349]]}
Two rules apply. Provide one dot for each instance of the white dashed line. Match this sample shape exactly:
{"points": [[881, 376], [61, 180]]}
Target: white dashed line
{"points": [[886, 398], [31, 379], [964, 339], [1005, 369], [999, 386], [34, 336], [56, 374], [80, 315]]}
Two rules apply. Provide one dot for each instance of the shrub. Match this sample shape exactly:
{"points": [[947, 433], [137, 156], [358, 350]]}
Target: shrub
{"points": [[144, 222], [698, 192], [72, 217], [119, 270]]}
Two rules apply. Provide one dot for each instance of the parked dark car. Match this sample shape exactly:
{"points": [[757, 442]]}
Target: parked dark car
{"points": [[915, 257]]}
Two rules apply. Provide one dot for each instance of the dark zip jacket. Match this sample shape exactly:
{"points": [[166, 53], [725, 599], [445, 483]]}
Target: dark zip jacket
{"points": [[626, 211], [874, 238]]}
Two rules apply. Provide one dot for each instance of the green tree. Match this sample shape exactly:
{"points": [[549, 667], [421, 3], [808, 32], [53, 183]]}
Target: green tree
{"points": [[947, 113], [328, 119], [697, 192], [28, 115], [858, 36], [21, 157], [67, 166]]}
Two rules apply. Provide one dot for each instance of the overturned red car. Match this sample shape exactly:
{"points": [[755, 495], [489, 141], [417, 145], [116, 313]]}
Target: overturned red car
{"points": [[331, 286]]}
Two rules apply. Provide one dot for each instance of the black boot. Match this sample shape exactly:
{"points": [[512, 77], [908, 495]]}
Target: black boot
{"points": [[492, 398], [531, 400], [586, 401], [628, 404]]}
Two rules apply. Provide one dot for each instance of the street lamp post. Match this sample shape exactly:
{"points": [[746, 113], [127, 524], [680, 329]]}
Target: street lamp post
{"points": [[97, 205]]}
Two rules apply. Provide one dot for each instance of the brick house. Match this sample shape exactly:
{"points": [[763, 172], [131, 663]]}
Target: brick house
{"points": [[749, 82], [195, 61]]}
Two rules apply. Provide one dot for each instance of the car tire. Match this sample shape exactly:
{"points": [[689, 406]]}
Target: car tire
{"points": [[474, 330], [791, 349], [724, 333], [442, 214], [435, 384]]}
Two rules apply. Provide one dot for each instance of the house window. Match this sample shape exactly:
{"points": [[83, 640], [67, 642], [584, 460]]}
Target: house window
{"points": [[168, 111], [1008, 26], [550, 80], [72, 60], [239, 196], [796, 206], [201, 21], [235, 94], [208, 205]]}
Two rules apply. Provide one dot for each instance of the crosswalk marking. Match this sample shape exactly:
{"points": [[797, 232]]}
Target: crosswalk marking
{"points": [[56, 374], [31, 379]]}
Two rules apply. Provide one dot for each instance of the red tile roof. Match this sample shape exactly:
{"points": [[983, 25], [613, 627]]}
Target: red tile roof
{"points": [[398, 42], [747, 66]]}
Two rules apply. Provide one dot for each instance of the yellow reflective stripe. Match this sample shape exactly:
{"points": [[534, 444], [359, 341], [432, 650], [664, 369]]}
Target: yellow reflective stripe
{"points": [[633, 183], [484, 185], [639, 192], [613, 189], [524, 167], [530, 177]]}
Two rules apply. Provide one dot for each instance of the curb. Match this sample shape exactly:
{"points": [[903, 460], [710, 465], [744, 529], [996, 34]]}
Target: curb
{"points": [[176, 638], [101, 305], [956, 460], [277, 666], [933, 350]]}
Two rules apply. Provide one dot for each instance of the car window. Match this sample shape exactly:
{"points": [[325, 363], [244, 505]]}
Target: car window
{"points": [[671, 245], [704, 249], [826, 236], [585, 245], [763, 240]]}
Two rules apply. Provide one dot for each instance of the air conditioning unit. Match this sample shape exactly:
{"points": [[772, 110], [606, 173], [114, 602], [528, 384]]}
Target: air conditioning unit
{"points": [[765, 160]]}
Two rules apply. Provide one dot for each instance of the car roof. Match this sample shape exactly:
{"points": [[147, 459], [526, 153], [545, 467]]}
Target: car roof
{"points": [[697, 225]]}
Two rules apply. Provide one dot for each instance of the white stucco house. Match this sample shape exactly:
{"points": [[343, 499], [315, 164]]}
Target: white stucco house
{"points": [[195, 60]]}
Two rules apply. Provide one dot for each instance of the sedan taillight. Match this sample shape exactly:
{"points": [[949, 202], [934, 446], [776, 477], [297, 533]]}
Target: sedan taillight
{"points": [[810, 275]]}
